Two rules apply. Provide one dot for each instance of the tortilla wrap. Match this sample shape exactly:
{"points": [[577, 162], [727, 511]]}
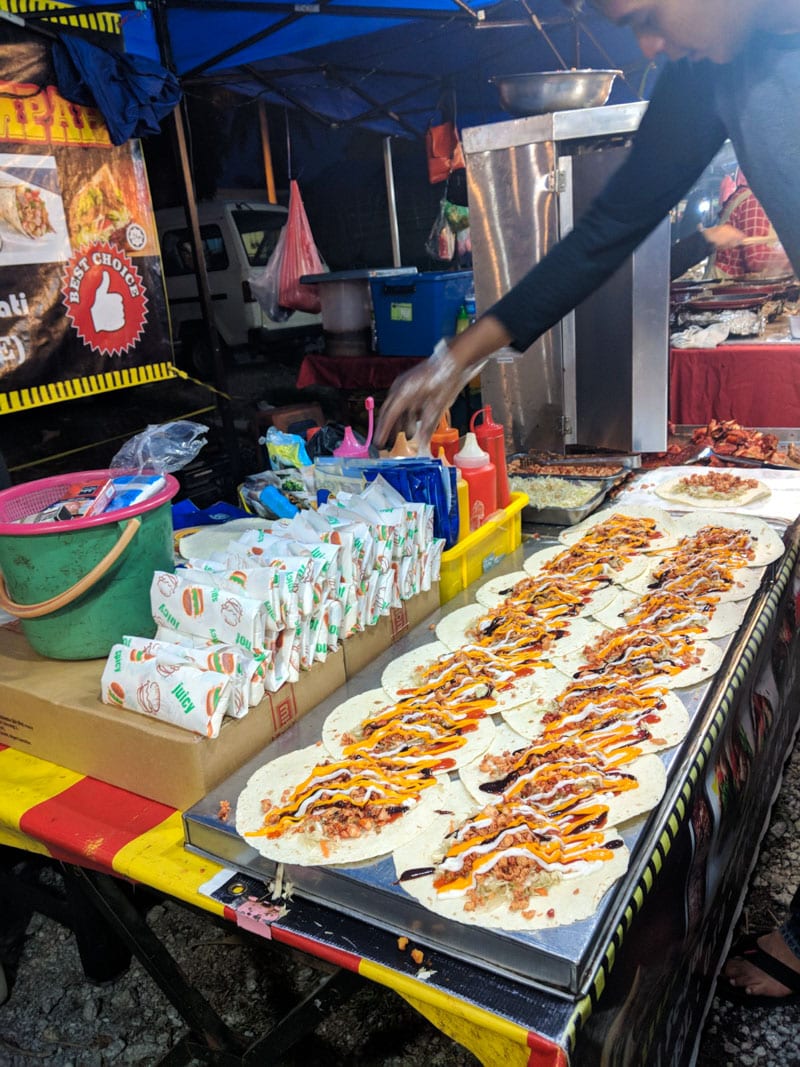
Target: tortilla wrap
{"points": [[23, 209], [665, 524], [496, 590], [767, 543], [400, 677], [647, 771], [719, 621], [745, 584], [572, 897], [535, 565], [348, 717], [308, 845], [454, 629], [667, 717], [675, 491], [97, 211]]}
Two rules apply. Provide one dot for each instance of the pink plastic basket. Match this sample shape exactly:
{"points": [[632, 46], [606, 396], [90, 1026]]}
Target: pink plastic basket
{"points": [[32, 497]]}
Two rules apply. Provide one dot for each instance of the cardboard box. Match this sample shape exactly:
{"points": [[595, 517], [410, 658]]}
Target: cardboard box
{"points": [[51, 708], [361, 649]]}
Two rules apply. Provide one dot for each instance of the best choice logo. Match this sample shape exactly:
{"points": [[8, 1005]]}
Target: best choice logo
{"points": [[105, 299]]}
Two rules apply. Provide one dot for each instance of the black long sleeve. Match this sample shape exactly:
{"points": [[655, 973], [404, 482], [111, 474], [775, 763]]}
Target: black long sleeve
{"points": [[684, 254]]}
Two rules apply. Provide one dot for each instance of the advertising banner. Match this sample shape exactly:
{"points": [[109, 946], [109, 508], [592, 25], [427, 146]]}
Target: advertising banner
{"points": [[82, 301]]}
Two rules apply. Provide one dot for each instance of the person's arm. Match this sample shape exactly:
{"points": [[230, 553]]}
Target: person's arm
{"points": [[685, 253]]}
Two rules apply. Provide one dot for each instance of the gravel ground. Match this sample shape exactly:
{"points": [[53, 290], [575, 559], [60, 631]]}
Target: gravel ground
{"points": [[55, 1018]]}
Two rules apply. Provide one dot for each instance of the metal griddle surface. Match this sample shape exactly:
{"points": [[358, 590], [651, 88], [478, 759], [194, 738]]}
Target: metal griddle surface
{"points": [[561, 960]]}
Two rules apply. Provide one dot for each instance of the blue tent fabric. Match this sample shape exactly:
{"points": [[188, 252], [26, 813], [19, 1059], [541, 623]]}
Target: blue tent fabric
{"points": [[133, 93]]}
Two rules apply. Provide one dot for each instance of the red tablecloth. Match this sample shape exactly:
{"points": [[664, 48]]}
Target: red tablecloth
{"points": [[757, 385], [353, 372]]}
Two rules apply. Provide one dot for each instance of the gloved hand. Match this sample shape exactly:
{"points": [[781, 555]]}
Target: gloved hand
{"points": [[422, 394]]}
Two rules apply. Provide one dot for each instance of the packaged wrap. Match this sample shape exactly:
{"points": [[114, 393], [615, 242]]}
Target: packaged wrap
{"points": [[166, 688], [190, 602]]}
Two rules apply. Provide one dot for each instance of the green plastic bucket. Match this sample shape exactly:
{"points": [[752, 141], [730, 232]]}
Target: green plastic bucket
{"points": [[78, 586]]}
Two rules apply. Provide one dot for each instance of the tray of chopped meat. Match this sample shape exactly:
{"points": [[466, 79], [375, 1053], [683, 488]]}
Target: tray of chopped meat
{"points": [[524, 466]]}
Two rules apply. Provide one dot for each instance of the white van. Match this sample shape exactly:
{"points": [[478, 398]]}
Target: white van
{"points": [[238, 238]]}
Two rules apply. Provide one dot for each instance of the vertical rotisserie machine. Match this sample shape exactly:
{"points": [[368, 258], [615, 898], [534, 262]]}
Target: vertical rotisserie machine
{"points": [[598, 379]]}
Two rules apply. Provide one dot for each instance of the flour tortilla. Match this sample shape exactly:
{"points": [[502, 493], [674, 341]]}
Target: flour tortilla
{"points": [[648, 770], [725, 619], [671, 491], [664, 522], [567, 649], [710, 659], [400, 675], [569, 900], [534, 565], [304, 848], [348, 717], [527, 719], [216, 538], [767, 543], [746, 581], [452, 629], [496, 590]]}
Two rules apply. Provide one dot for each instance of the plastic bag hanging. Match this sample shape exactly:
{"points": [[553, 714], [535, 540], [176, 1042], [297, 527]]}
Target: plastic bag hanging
{"points": [[265, 284], [300, 256]]}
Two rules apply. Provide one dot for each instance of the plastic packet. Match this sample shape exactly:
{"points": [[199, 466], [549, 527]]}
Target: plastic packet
{"points": [[265, 284], [285, 450], [161, 448]]}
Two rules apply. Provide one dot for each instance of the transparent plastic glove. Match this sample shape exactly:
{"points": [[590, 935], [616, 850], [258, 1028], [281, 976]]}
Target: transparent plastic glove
{"points": [[422, 394]]}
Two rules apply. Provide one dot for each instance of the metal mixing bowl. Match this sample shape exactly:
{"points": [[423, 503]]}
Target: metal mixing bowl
{"points": [[554, 90]]}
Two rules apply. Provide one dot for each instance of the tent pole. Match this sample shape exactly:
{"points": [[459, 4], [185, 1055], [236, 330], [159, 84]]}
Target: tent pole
{"points": [[267, 152], [178, 131], [390, 197]]}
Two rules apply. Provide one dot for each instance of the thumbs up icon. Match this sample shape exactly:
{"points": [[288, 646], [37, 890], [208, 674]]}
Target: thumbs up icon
{"points": [[108, 310]]}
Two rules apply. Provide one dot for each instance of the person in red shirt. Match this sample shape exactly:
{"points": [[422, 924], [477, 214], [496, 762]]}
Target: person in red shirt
{"points": [[750, 258]]}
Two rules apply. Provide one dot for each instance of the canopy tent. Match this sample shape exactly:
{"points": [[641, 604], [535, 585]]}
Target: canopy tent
{"points": [[380, 64]]}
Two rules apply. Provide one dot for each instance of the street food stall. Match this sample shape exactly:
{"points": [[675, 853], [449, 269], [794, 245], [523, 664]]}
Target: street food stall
{"points": [[643, 962]]}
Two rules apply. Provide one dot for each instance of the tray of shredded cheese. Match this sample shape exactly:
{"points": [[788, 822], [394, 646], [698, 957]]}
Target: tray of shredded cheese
{"points": [[555, 501]]}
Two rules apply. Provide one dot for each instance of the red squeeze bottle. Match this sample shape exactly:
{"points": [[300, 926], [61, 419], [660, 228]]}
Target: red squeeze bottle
{"points": [[491, 438], [478, 472]]}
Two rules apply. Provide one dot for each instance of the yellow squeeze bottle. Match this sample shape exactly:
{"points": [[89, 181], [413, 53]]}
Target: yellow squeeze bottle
{"points": [[462, 497]]}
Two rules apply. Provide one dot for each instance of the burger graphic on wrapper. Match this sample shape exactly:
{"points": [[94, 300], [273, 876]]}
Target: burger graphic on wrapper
{"points": [[115, 694], [213, 698], [192, 601], [167, 669], [223, 662], [148, 696]]}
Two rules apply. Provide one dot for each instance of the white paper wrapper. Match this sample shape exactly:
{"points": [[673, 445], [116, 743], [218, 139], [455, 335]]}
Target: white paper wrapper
{"points": [[167, 688], [190, 602], [254, 663]]}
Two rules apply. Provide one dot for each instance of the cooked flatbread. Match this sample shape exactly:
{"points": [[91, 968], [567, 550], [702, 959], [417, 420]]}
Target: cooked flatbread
{"points": [[216, 538], [365, 720], [567, 649], [454, 629], [543, 901], [719, 621], [665, 525], [712, 489], [285, 781], [400, 677], [496, 590], [766, 542], [743, 585], [551, 776], [660, 669], [535, 566], [664, 713]]}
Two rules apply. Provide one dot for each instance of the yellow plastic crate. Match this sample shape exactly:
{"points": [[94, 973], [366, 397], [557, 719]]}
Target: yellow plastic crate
{"points": [[482, 549]]}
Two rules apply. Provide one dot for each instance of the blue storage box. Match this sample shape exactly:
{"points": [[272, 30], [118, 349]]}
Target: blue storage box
{"points": [[413, 312]]}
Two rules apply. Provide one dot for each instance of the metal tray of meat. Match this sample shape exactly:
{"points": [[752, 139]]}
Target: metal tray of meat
{"points": [[614, 477], [561, 516]]}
